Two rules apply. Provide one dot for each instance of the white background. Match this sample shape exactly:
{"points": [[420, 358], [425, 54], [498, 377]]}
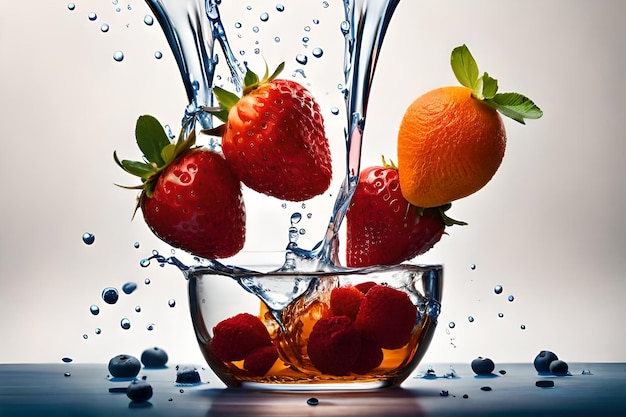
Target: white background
{"points": [[550, 228]]}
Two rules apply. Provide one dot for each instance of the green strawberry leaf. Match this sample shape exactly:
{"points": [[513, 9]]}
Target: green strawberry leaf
{"points": [[464, 67], [151, 138], [447, 220], [250, 81], [516, 106], [276, 72], [138, 169], [226, 100]]}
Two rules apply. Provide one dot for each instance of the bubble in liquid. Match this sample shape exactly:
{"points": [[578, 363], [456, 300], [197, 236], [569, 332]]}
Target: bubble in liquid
{"points": [[452, 325], [511, 298], [150, 327], [110, 295], [171, 302], [92, 16], [118, 56], [500, 315], [129, 287], [295, 218], [148, 20], [280, 7], [71, 6], [88, 238], [497, 289], [104, 28], [95, 310], [158, 54], [97, 331], [138, 309], [317, 52], [145, 262], [264, 17], [136, 245], [125, 323], [470, 319], [301, 59], [146, 281]]}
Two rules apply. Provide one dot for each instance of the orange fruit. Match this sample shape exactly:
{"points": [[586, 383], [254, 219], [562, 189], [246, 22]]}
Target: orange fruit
{"points": [[450, 145]]}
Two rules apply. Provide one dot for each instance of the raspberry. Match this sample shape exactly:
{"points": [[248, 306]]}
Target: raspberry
{"points": [[364, 287], [260, 360], [334, 345], [386, 317], [370, 357], [235, 337], [345, 301]]}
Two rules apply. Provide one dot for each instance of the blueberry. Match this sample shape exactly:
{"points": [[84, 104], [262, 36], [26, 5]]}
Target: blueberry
{"points": [[483, 366], [187, 375], [124, 366], [154, 358], [559, 367], [139, 391], [543, 360]]}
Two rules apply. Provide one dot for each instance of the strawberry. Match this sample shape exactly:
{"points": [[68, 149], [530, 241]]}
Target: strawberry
{"points": [[190, 198], [274, 137], [383, 228]]}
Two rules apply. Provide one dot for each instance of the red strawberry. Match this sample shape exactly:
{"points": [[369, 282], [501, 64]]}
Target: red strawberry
{"points": [[274, 138], [383, 228], [345, 301], [260, 360], [386, 317], [190, 198], [237, 336], [334, 345]]}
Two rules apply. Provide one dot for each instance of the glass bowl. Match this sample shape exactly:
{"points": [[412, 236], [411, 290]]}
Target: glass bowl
{"points": [[347, 329]]}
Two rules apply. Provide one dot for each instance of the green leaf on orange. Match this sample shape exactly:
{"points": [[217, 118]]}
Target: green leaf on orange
{"points": [[516, 106], [464, 66]]}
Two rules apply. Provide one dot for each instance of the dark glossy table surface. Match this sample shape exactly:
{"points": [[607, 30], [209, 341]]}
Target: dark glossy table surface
{"points": [[72, 389]]}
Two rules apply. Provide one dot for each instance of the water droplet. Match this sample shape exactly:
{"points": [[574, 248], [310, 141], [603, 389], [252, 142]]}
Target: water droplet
{"points": [[301, 59], [277, 39], [264, 17], [305, 39], [280, 7], [500, 315], [302, 231], [511, 298], [307, 28], [95, 310], [110, 295], [255, 29], [523, 327], [66, 360], [148, 20], [309, 215], [313, 401], [295, 218], [325, 4], [104, 28], [88, 238], [97, 331], [136, 245], [92, 16], [158, 54], [345, 27], [284, 205], [470, 319], [138, 309], [146, 281], [125, 323], [85, 336], [150, 327], [129, 287], [452, 325], [67, 374], [71, 6], [334, 110], [171, 302], [473, 266], [238, 25], [317, 52], [118, 56], [129, 7], [497, 289], [316, 21]]}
